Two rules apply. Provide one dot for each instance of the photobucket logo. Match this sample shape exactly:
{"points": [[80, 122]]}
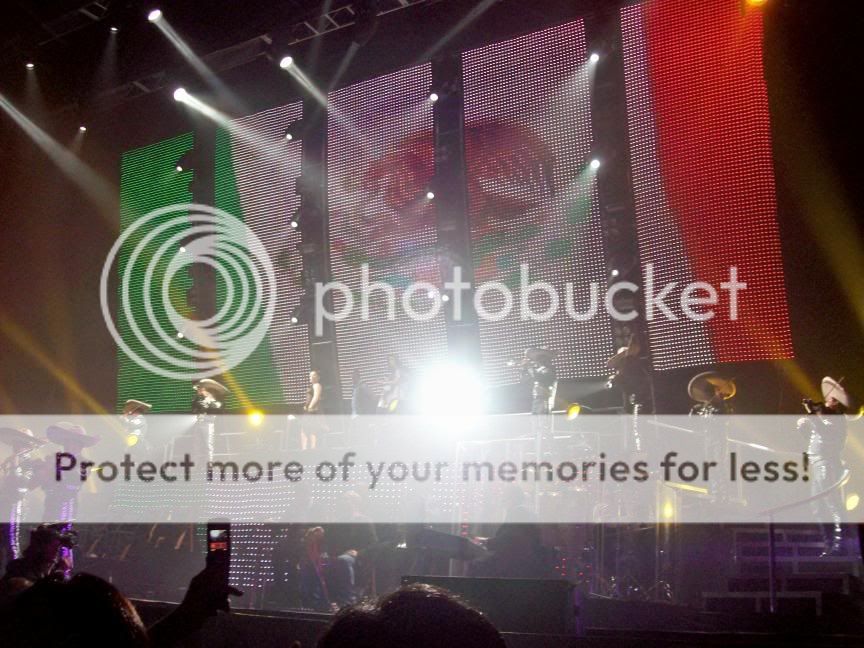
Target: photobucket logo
{"points": [[155, 254], [695, 301]]}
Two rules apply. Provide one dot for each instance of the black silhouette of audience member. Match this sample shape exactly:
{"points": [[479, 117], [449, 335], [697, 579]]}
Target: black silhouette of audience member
{"points": [[415, 616]]}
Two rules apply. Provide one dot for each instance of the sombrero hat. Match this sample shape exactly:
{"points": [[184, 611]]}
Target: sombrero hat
{"points": [[833, 389], [706, 386], [133, 406], [212, 386], [19, 438], [66, 434]]}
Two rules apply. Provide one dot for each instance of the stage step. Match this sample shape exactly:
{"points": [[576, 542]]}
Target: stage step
{"points": [[834, 583]]}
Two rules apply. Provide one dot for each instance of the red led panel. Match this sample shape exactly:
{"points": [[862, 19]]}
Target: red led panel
{"points": [[531, 199], [703, 177], [379, 164]]}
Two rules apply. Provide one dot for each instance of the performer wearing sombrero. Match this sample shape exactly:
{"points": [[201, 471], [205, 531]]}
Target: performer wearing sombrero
{"points": [[61, 498], [135, 422], [825, 433], [713, 394], [17, 478], [209, 401]]}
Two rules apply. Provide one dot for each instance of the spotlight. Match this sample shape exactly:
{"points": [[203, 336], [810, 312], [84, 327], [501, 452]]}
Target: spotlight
{"points": [[573, 411], [132, 440], [445, 298], [852, 501], [594, 57], [433, 97], [256, 417], [615, 272], [756, 3], [182, 249], [286, 62], [295, 319], [180, 94], [154, 15], [288, 136], [595, 164], [180, 335], [179, 168], [295, 220], [430, 195], [30, 66], [82, 129], [114, 30], [451, 388]]}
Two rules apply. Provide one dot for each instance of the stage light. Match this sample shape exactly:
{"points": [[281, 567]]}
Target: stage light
{"points": [[445, 298], [114, 30], [30, 66], [756, 3], [573, 411], [82, 129], [179, 168], [668, 510], [154, 15], [288, 135], [180, 94], [594, 57], [182, 249], [852, 501], [132, 440], [286, 62], [430, 195], [615, 272], [433, 97], [256, 417], [595, 164], [452, 389], [180, 335]]}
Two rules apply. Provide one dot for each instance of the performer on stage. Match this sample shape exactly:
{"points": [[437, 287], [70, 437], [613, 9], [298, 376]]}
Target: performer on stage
{"points": [[17, 478], [61, 497], [825, 432], [538, 365], [309, 429], [393, 387], [136, 425], [712, 393], [208, 401]]}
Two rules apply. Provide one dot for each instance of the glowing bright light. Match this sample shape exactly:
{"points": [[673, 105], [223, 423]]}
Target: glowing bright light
{"points": [[182, 249], [132, 440], [756, 3], [154, 15], [295, 319], [595, 164], [180, 94], [286, 62], [82, 129], [852, 501], [452, 389], [445, 298], [179, 169], [433, 97], [594, 57], [256, 417], [289, 136], [573, 411], [615, 272], [180, 335], [668, 510], [294, 224], [430, 195], [114, 30], [30, 66]]}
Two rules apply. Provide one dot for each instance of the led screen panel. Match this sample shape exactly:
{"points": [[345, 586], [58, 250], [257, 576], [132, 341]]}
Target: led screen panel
{"points": [[256, 173], [149, 180], [532, 197], [703, 178], [379, 164]]}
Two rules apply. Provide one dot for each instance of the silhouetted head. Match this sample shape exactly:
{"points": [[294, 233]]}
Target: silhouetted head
{"points": [[415, 616]]}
